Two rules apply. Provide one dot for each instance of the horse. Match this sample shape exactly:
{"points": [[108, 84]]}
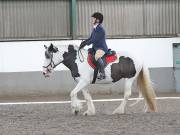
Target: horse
{"points": [[126, 66]]}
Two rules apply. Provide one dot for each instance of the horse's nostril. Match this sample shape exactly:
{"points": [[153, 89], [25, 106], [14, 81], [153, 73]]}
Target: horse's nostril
{"points": [[43, 73]]}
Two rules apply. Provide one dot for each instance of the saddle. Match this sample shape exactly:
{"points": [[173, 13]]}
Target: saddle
{"points": [[109, 57]]}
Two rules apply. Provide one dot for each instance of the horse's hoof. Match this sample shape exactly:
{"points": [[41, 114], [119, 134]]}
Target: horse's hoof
{"points": [[85, 114], [76, 112], [118, 112]]}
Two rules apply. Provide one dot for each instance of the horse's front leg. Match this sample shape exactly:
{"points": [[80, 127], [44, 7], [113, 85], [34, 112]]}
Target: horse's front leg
{"points": [[90, 104], [75, 102]]}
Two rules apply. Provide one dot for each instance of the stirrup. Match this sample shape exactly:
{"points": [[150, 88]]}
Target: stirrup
{"points": [[101, 76]]}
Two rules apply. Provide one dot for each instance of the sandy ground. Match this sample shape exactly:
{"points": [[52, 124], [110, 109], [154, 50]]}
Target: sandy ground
{"points": [[56, 119]]}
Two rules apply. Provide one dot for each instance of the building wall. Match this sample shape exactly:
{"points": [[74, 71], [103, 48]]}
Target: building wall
{"points": [[21, 66], [39, 19], [29, 56], [131, 18], [55, 19], [61, 83]]}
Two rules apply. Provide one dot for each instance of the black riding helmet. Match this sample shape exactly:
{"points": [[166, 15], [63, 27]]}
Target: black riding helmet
{"points": [[98, 16]]}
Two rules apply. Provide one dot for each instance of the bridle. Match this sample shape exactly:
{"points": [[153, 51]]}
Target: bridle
{"points": [[52, 64]]}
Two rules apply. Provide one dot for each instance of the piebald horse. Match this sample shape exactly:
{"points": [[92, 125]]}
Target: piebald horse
{"points": [[124, 67]]}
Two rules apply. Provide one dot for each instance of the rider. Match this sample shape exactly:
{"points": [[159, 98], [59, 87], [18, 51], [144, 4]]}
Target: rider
{"points": [[97, 38]]}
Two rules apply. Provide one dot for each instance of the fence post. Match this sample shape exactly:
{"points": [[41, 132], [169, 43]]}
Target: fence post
{"points": [[73, 15]]}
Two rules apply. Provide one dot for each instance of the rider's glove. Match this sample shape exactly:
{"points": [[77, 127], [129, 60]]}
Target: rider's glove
{"points": [[82, 45]]}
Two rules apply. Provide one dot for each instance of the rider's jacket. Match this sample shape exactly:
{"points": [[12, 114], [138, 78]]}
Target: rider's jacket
{"points": [[97, 38]]}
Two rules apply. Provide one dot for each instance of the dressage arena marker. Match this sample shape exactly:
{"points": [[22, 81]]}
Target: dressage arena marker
{"points": [[67, 102]]}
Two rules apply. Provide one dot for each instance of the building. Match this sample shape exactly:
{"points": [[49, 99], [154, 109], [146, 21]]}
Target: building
{"points": [[146, 27]]}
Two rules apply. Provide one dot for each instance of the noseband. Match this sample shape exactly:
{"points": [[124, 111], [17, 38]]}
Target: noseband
{"points": [[52, 64]]}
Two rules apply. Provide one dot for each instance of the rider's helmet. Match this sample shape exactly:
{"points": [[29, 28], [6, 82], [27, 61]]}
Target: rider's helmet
{"points": [[98, 16]]}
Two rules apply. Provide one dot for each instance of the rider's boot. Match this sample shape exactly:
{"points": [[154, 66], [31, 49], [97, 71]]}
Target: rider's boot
{"points": [[100, 65]]}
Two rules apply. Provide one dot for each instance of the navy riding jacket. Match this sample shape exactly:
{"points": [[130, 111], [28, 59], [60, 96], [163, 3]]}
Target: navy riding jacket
{"points": [[97, 38]]}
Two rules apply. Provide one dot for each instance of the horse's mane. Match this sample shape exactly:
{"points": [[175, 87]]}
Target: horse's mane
{"points": [[76, 47]]}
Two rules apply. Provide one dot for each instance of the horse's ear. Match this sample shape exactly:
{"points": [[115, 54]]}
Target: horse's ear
{"points": [[51, 44], [45, 47], [50, 47]]}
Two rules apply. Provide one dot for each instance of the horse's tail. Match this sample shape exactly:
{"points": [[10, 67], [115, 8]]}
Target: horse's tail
{"points": [[146, 88]]}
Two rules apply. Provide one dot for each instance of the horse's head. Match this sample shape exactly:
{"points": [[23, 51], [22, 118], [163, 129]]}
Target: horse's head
{"points": [[52, 59]]}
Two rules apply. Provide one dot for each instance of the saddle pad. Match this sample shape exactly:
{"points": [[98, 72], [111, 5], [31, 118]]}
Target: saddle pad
{"points": [[108, 59]]}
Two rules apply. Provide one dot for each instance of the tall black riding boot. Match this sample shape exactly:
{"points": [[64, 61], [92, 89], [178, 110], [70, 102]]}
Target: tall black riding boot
{"points": [[100, 64]]}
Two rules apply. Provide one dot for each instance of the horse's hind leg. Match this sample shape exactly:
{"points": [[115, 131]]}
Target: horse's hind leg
{"points": [[127, 94], [90, 104]]}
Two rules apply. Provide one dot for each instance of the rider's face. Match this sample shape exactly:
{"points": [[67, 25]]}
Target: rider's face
{"points": [[94, 21]]}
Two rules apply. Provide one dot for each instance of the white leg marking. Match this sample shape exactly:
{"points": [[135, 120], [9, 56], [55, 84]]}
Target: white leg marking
{"points": [[127, 94], [76, 104], [137, 101], [90, 104]]}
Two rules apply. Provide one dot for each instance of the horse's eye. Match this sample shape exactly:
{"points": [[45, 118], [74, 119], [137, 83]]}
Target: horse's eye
{"points": [[47, 55], [55, 50]]}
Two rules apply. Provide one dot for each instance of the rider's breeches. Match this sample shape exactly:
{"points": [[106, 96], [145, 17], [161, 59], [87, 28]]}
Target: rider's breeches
{"points": [[99, 53]]}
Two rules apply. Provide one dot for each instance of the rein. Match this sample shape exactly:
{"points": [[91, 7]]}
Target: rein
{"points": [[79, 52], [52, 64]]}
